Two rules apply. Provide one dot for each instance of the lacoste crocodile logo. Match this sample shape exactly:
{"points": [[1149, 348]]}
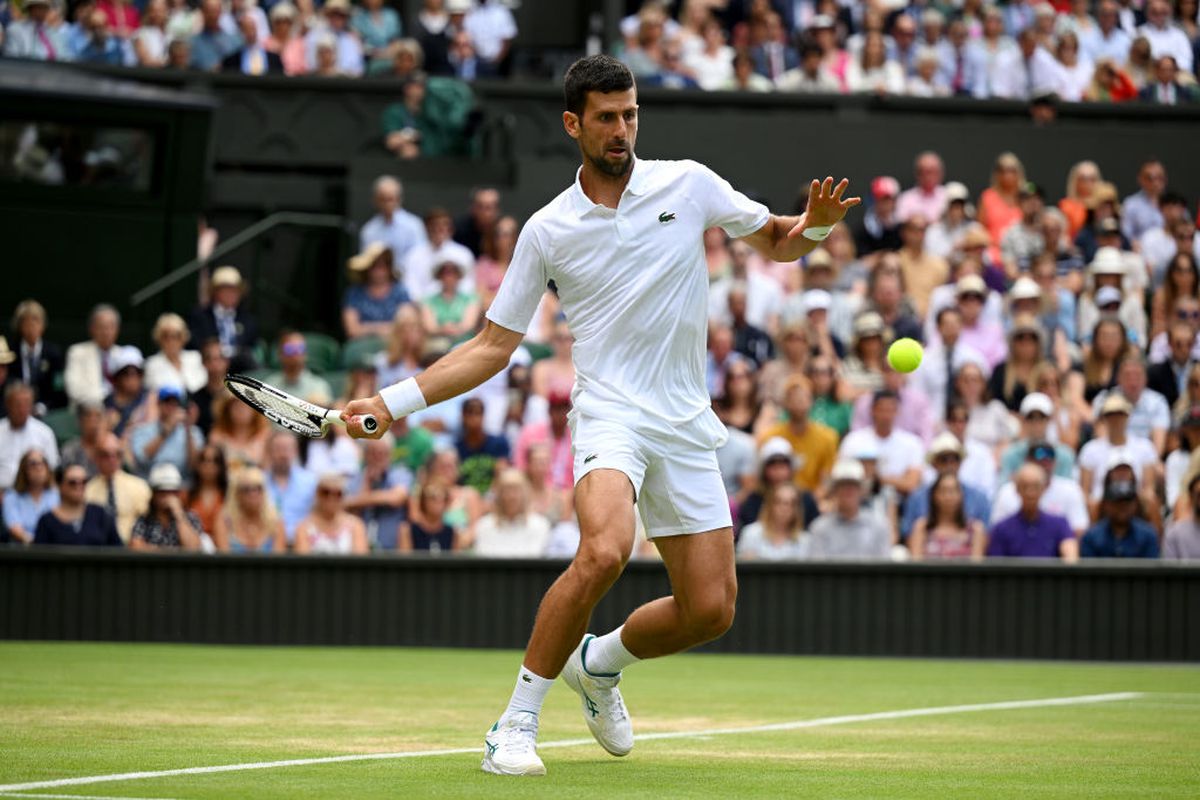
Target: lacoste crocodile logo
{"points": [[591, 458], [665, 217]]}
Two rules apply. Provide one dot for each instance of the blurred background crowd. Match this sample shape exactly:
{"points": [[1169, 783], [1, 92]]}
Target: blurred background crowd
{"points": [[1055, 413]]}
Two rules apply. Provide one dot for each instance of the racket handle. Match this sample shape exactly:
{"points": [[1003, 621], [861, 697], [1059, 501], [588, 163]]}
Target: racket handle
{"points": [[369, 424]]}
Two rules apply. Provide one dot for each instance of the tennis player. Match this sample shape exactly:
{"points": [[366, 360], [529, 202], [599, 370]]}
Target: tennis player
{"points": [[623, 245]]}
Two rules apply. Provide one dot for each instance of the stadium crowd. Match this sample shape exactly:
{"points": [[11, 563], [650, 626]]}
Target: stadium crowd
{"points": [[1069, 50], [1056, 412]]}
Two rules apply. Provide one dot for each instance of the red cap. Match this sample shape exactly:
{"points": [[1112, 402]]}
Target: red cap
{"points": [[885, 186]]}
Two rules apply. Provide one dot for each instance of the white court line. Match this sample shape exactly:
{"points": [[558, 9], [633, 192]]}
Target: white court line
{"points": [[76, 796], [819, 722]]}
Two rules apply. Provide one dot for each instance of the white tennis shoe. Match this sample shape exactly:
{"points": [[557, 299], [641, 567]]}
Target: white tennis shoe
{"points": [[510, 747], [603, 709]]}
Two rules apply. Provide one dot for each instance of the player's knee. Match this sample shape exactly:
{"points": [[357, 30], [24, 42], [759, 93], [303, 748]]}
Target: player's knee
{"points": [[712, 616], [599, 565]]}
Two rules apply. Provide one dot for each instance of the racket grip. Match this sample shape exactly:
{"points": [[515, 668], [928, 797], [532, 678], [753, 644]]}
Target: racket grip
{"points": [[369, 423]]}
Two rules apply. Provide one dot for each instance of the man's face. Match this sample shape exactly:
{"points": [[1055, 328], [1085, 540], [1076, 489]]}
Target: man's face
{"points": [[485, 208], [847, 496], [1029, 487], [1181, 345], [20, 407], [1122, 511], [215, 363], [798, 403], [1036, 424], [949, 327], [210, 12], [1107, 16], [227, 296], [282, 453], [31, 327], [904, 32], [607, 130], [737, 305], [472, 418], [104, 329], [1158, 13], [1165, 70], [1031, 206], [441, 228], [970, 304], [1116, 423], [929, 172], [1153, 179], [914, 234], [108, 455], [387, 199], [378, 454], [883, 415], [947, 463], [248, 29], [293, 354], [74, 481]]}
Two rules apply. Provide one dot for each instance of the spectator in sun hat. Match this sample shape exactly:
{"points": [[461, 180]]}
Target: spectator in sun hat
{"points": [[170, 439], [863, 367], [846, 531], [1108, 270], [1121, 531], [166, 525], [943, 235], [977, 332], [1150, 416], [348, 54], [1037, 413], [448, 313], [776, 466], [227, 320], [285, 40], [439, 247], [879, 228], [375, 294], [1115, 446], [945, 456], [1063, 497], [36, 36]]}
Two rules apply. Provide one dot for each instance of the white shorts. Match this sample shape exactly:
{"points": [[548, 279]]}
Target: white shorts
{"points": [[676, 482]]}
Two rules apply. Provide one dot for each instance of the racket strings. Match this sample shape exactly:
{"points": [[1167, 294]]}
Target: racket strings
{"points": [[280, 411]]}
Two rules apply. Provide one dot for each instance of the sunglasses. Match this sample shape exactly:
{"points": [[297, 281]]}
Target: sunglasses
{"points": [[294, 349], [108, 453], [329, 492], [1025, 337], [74, 481], [252, 487], [971, 296], [1188, 314]]}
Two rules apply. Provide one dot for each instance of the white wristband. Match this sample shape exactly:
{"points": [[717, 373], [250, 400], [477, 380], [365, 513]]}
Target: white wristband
{"points": [[817, 233], [403, 398]]}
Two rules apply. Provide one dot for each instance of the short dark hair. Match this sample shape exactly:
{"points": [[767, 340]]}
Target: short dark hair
{"points": [[884, 394], [472, 405], [943, 311], [1172, 198], [599, 73]]}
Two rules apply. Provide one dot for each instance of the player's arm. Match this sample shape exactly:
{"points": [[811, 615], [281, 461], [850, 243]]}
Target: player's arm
{"points": [[459, 371], [790, 238]]}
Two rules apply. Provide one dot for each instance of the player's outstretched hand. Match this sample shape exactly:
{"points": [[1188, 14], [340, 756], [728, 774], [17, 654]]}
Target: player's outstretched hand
{"points": [[355, 410], [826, 205]]}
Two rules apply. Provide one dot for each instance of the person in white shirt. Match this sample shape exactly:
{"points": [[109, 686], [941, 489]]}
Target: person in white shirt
{"points": [[1108, 41], [1165, 37], [623, 245], [1028, 71], [172, 365], [399, 229], [20, 432], [416, 271], [511, 530], [901, 454], [712, 65], [87, 375], [1116, 445], [492, 28]]}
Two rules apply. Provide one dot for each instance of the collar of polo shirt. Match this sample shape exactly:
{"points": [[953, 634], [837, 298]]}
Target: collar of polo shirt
{"points": [[636, 185]]}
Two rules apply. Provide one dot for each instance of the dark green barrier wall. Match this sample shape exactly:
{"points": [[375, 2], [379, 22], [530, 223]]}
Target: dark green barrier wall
{"points": [[1108, 612]]}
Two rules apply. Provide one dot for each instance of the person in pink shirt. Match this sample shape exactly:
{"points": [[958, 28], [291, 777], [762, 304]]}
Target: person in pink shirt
{"points": [[916, 414], [928, 198], [123, 19], [557, 435], [998, 206], [285, 39], [985, 337]]}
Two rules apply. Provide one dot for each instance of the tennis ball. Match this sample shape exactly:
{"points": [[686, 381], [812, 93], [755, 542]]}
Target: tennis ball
{"points": [[905, 355]]}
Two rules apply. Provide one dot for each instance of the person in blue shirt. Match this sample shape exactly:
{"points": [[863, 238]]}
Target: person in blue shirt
{"points": [[99, 46], [1120, 533], [946, 455], [291, 487], [212, 44], [481, 455]]}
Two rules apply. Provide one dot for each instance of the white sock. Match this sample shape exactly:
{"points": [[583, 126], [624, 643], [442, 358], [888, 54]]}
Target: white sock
{"points": [[529, 693], [606, 655]]}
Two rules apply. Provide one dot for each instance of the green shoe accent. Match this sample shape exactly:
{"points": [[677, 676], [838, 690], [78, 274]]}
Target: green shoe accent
{"points": [[583, 661]]}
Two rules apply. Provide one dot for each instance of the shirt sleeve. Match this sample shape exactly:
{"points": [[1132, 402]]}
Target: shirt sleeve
{"points": [[523, 285], [726, 207]]}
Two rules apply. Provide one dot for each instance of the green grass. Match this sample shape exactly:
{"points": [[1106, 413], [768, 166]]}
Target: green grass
{"points": [[71, 710]]}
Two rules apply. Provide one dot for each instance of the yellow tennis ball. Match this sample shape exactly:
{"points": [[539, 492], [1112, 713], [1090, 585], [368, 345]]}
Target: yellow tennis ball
{"points": [[905, 355]]}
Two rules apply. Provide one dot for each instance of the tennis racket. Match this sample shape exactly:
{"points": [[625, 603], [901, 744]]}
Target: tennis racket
{"points": [[287, 411]]}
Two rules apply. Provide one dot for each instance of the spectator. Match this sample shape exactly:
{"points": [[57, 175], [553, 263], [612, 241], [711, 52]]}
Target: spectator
{"points": [[330, 529], [810, 76], [216, 366], [872, 71], [1102, 453], [945, 354], [1038, 424], [1140, 63], [1139, 212], [82, 449], [427, 528], [1177, 235], [172, 365], [39, 362], [827, 409], [555, 504], [210, 486], [814, 444], [492, 29], [75, 521], [39, 36], [671, 74], [863, 368], [774, 59], [227, 320], [250, 523], [463, 61], [1120, 533], [405, 348], [497, 254], [946, 455], [749, 341], [179, 54], [845, 531], [1031, 532], [291, 488], [778, 534], [915, 415], [401, 230], [1183, 536], [1010, 380], [762, 291], [1057, 306], [928, 197], [431, 120], [473, 227], [212, 45], [1151, 416], [982, 335], [555, 434], [1062, 496], [100, 46], [739, 405], [347, 50], [1110, 84], [1023, 240], [240, 432], [1166, 38], [926, 82], [439, 248], [1110, 345], [1167, 90], [379, 493], [128, 404], [252, 56], [377, 27], [922, 270], [744, 78], [776, 466], [1170, 377], [1178, 464], [482, 455], [998, 204], [712, 62], [900, 452], [946, 532], [285, 41], [989, 55], [32, 495], [21, 432], [979, 461], [1075, 73], [904, 42], [170, 439], [294, 376], [88, 373], [945, 235], [1109, 42], [166, 525], [556, 375], [124, 496], [1082, 181], [450, 314], [375, 296], [989, 422], [956, 69], [511, 530], [880, 227]]}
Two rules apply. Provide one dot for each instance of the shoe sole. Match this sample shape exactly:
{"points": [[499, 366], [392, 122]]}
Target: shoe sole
{"points": [[570, 676], [489, 766]]}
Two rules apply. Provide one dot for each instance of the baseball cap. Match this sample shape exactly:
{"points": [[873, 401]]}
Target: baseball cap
{"points": [[165, 477], [1120, 457], [1108, 261], [970, 284], [226, 276], [1040, 451], [124, 358], [775, 449], [885, 186], [1115, 403], [1037, 402], [868, 323], [848, 470], [816, 300], [943, 443], [956, 192], [1025, 289], [170, 392], [1120, 490], [1107, 295]]}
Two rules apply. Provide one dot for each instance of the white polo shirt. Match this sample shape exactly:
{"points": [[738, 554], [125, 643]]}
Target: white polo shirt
{"points": [[633, 284]]}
